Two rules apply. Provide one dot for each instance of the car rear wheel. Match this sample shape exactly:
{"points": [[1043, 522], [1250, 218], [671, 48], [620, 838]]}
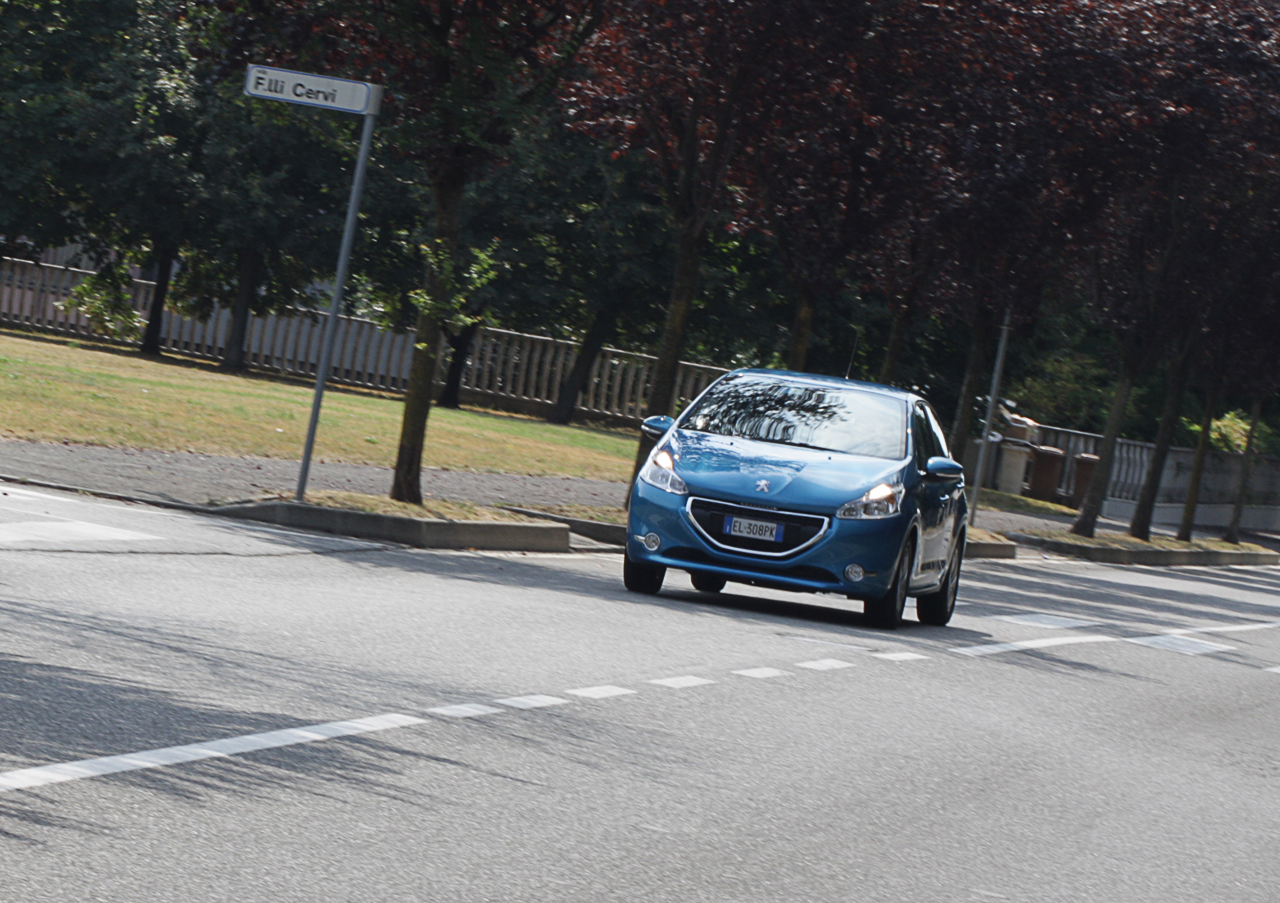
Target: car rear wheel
{"points": [[642, 578], [937, 608], [707, 583], [886, 612]]}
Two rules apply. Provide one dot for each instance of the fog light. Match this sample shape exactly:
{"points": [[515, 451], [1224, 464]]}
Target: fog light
{"points": [[651, 541], [853, 573]]}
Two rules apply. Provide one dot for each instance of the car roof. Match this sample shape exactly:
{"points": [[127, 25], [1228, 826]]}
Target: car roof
{"points": [[815, 379]]}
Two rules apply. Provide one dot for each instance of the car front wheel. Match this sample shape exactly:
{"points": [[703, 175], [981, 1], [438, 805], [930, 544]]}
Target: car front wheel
{"points": [[642, 578], [937, 608], [886, 612], [707, 583]]}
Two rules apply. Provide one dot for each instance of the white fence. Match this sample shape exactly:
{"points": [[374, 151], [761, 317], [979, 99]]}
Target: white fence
{"points": [[505, 369]]}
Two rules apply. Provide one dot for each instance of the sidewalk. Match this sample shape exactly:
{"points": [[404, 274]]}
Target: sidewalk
{"points": [[197, 479]]}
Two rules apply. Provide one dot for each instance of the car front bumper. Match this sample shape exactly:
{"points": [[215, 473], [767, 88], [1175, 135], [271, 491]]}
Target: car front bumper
{"points": [[872, 544]]}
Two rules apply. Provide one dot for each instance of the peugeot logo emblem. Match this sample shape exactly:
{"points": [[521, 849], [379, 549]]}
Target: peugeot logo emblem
{"points": [[762, 485]]}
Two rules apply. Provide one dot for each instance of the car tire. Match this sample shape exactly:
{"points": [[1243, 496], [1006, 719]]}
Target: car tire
{"points": [[937, 608], [640, 577], [707, 583], [886, 612]]}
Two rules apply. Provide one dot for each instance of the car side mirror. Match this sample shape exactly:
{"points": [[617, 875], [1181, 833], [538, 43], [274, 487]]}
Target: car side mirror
{"points": [[940, 468], [657, 426]]}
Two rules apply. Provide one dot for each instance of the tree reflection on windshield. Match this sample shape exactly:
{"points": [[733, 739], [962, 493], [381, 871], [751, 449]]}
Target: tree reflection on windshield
{"points": [[827, 418]]}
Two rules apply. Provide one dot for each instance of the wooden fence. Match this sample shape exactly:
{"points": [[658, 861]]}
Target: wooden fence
{"points": [[505, 369]]}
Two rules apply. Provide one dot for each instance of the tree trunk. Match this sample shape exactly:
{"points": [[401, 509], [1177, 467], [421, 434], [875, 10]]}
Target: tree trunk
{"points": [[461, 345], [684, 287], [599, 333], [406, 484], [1246, 472], [1140, 526], [1197, 464], [1090, 509], [979, 351], [249, 277], [893, 348], [165, 257], [801, 327]]}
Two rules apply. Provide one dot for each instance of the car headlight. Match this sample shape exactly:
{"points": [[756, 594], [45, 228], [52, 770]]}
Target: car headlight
{"points": [[660, 472], [884, 500]]}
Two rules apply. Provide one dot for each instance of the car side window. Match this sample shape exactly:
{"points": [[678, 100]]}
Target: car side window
{"points": [[939, 437], [923, 438]]}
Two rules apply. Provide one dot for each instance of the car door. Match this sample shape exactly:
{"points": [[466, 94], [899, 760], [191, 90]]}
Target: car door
{"points": [[933, 496], [952, 491]]}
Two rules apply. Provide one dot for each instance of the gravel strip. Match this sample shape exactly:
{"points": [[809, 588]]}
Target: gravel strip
{"points": [[198, 479]]}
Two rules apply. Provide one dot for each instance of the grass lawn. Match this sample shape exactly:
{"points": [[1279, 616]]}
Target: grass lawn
{"points": [[1108, 540], [431, 509], [56, 389], [993, 500]]}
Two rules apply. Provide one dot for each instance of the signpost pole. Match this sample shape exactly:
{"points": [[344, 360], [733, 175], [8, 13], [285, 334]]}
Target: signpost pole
{"points": [[992, 397], [335, 310]]}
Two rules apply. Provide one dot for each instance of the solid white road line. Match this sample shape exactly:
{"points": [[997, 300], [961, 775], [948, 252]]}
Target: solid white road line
{"points": [[1053, 622], [1185, 644], [762, 673], [825, 664], [679, 683], [26, 778], [534, 701], [464, 710], [898, 656], [1023, 645], [1275, 670], [67, 531], [1224, 628], [601, 692]]}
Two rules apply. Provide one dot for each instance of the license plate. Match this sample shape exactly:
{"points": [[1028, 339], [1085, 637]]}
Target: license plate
{"points": [[753, 529]]}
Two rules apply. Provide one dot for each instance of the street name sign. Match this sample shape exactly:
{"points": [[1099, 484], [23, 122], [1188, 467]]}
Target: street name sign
{"points": [[313, 90], [344, 96]]}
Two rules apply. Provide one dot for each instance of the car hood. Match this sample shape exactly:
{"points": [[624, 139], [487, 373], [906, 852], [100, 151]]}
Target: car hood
{"points": [[774, 475]]}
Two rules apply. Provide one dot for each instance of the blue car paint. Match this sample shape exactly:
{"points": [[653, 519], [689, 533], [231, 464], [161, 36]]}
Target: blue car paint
{"points": [[804, 480]]}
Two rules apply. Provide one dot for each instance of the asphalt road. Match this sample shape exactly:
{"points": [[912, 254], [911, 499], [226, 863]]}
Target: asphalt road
{"points": [[1080, 732]]}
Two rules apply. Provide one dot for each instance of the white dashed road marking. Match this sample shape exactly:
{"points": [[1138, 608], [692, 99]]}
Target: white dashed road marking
{"points": [[806, 639], [1275, 670], [464, 710], [26, 778], [680, 683], [825, 664], [535, 701], [899, 656], [602, 692], [762, 672]]}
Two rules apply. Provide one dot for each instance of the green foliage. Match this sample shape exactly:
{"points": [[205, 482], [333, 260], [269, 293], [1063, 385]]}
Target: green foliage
{"points": [[106, 298], [1230, 433], [1072, 391], [456, 309]]}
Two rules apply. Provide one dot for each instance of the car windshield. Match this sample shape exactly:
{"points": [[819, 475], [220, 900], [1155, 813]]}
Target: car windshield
{"points": [[824, 417]]}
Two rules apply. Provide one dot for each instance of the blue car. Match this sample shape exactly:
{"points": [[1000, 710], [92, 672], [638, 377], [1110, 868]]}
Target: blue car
{"points": [[802, 482]]}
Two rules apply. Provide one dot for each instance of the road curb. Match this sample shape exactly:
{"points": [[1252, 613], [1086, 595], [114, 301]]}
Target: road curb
{"points": [[493, 536], [1158, 557], [976, 548], [614, 534]]}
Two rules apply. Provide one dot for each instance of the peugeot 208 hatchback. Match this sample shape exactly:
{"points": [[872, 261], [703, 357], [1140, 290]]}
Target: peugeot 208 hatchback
{"points": [[806, 483]]}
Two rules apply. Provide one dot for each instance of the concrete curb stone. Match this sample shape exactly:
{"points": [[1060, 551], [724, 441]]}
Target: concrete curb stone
{"points": [[614, 534], [493, 536], [1160, 557], [976, 548]]}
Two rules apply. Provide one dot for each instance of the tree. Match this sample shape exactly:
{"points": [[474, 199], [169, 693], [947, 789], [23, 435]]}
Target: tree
{"points": [[462, 76]]}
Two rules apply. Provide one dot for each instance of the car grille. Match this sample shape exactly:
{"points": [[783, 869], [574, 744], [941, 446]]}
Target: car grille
{"points": [[797, 530]]}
